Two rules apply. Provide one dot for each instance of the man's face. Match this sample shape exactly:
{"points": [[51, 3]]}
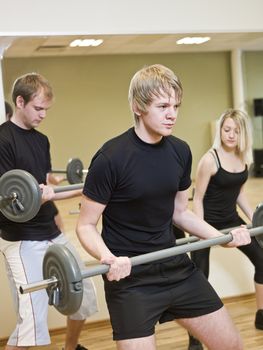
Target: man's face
{"points": [[32, 113], [160, 117]]}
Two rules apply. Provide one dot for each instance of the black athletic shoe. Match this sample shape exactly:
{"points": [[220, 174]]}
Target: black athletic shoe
{"points": [[194, 344], [81, 347], [259, 320]]}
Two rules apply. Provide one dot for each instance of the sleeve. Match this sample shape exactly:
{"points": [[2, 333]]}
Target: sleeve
{"points": [[7, 159], [49, 166], [100, 180], [187, 162]]}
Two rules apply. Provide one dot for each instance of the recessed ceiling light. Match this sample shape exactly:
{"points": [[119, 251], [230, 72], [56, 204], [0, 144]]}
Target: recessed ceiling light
{"points": [[193, 40], [86, 42]]}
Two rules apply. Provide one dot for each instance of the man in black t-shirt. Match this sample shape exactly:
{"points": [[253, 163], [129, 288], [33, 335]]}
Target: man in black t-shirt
{"points": [[24, 244], [138, 182]]}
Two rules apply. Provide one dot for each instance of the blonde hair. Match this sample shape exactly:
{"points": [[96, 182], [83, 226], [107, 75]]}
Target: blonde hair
{"points": [[244, 146], [152, 81]]}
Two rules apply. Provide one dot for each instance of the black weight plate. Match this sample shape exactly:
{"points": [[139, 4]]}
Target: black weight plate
{"points": [[60, 262], [28, 193], [258, 221], [75, 171]]}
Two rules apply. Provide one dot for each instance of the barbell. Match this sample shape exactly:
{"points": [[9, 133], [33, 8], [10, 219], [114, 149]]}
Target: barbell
{"points": [[20, 195], [74, 171], [63, 277]]}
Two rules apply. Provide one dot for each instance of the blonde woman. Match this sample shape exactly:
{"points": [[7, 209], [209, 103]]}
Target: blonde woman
{"points": [[219, 190]]}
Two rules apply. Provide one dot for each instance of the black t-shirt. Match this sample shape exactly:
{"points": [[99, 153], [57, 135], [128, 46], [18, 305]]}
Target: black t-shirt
{"points": [[220, 199], [138, 182], [28, 150]]}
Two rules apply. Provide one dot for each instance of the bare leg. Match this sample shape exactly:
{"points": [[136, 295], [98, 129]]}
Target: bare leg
{"points": [[145, 343], [74, 328], [259, 295], [216, 330]]}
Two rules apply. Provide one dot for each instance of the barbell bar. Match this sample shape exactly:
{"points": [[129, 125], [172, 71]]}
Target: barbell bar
{"points": [[21, 197], [74, 171], [63, 277]]}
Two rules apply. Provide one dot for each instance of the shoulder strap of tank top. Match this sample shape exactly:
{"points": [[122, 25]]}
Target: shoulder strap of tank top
{"points": [[215, 155]]}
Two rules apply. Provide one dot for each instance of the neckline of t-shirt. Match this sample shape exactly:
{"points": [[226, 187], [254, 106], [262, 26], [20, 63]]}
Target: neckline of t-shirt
{"points": [[22, 130], [144, 145]]}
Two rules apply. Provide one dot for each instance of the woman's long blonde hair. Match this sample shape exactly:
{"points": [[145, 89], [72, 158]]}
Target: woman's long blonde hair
{"points": [[244, 146]]}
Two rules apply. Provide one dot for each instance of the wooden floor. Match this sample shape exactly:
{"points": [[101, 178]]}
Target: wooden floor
{"points": [[170, 336]]}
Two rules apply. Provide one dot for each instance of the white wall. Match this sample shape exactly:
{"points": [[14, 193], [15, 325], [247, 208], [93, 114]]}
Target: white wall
{"points": [[129, 16]]}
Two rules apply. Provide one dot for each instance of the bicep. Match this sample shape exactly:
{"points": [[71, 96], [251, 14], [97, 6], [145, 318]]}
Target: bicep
{"points": [[181, 201], [180, 207], [90, 211]]}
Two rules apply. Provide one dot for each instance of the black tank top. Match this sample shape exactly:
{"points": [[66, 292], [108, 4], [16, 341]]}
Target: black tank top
{"points": [[221, 196]]}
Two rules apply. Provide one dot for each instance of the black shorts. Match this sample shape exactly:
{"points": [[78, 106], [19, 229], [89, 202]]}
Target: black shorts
{"points": [[158, 292]]}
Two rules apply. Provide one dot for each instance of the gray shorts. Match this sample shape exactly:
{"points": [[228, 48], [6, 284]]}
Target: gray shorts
{"points": [[24, 265], [158, 292]]}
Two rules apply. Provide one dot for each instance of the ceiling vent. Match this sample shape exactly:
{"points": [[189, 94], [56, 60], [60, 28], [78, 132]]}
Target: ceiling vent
{"points": [[46, 48]]}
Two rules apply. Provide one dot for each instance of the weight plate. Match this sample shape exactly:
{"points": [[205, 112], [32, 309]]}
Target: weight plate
{"points": [[258, 221], [75, 171], [60, 262], [28, 194]]}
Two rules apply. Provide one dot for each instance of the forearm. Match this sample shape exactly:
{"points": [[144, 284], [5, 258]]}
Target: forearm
{"points": [[191, 223], [92, 242], [195, 225], [244, 205]]}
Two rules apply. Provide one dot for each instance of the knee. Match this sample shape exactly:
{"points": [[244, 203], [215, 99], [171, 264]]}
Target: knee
{"points": [[237, 343], [231, 343]]}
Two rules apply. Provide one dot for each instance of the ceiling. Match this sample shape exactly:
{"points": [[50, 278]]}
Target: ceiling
{"points": [[38, 46]]}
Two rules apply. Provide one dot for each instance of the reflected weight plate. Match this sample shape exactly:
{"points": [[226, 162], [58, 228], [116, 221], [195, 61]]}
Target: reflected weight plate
{"points": [[75, 171], [60, 263], [258, 221], [27, 191]]}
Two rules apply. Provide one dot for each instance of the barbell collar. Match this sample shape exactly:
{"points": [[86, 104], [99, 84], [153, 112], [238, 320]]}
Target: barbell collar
{"points": [[19, 185]]}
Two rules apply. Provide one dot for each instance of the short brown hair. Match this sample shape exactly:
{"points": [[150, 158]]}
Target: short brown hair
{"points": [[29, 85]]}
